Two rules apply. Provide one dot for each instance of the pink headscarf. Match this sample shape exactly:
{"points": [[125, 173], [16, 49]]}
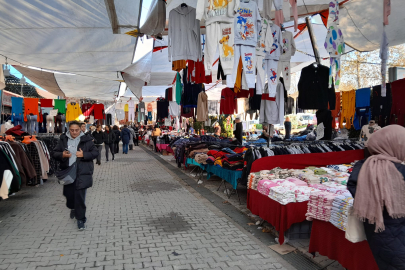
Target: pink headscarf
{"points": [[380, 184]]}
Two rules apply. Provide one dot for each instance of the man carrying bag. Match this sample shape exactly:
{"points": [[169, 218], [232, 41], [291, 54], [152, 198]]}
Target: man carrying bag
{"points": [[76, 151]]}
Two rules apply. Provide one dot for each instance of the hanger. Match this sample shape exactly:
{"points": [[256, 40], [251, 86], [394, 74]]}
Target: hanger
{"points": [[34, 138], [27, 140], [9, 138], [315, 64], [183, 5]]}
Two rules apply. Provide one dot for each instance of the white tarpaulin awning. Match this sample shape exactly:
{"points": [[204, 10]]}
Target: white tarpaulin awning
{"points": [[71, 37]]}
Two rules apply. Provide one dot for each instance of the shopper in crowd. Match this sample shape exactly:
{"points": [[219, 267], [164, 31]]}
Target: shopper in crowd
{"points": [[125, 137], [98, 141], [117, 133], [109, 141], [238, 132], [131, 141], [155, 134], [83, 127], [75, 146], [377, 185], [287, 128], [136, 129], [217, 129]]}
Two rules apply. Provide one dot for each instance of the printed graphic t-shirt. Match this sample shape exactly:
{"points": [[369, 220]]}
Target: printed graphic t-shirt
{"points": [[247, 21]]}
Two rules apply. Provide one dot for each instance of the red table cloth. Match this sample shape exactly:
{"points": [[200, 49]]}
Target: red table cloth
{"points": [[169, 149], [278, 215], [161, 146], [302, 161], [331, 242]]}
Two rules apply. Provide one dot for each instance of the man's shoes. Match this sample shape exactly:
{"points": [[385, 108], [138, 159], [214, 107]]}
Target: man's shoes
{"points": [[113, 158], [80, 225], [72, 213]]}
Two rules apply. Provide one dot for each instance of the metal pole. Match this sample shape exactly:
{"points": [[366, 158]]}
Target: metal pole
{"points": [[313, 40]]}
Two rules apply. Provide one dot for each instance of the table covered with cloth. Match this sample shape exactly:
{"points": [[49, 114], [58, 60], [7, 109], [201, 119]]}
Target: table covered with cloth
{"points": [[228, 175], [162, 146], [331, 242], [278, 215]]}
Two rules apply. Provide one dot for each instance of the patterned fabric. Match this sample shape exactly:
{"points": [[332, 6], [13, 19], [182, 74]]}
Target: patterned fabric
{"points": [[34, 156]]}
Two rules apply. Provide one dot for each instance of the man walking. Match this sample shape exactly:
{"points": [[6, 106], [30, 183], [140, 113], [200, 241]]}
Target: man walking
{"points": [[98, 141], [125, 137], [75, 146]]}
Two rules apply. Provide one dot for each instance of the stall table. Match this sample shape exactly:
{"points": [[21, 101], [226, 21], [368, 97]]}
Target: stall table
{"points": [[331, 242]]}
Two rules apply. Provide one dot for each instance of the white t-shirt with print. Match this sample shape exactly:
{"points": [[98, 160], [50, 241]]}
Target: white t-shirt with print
{"points": [[247, 21]]}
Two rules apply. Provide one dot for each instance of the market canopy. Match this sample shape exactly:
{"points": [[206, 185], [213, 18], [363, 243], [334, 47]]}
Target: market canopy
{"points": [[85, 38]]}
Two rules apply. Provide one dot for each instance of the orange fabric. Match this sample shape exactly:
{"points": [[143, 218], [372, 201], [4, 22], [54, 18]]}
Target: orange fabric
{"points": [[238, 81], [348, 108], [178, 65], [31, 106]]}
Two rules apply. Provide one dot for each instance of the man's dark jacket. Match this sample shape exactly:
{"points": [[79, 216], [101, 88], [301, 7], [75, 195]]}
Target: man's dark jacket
{"points": [[85, 165]]}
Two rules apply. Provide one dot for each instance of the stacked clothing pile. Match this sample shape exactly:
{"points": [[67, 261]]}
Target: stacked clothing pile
{"points": [[227, 158], [302, 193], [320, 205], [201, 158], [340, 209], [253, 180], [282, 194], [264, 186]]}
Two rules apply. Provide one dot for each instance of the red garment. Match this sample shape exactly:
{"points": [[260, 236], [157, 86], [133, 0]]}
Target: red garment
{"points": [[31, 106], [170, 94], [87, 110], [336, 111], [196, 72], [242, 94], [398, 102], [278, 215], [239, 150], [212, 152], [220, 154], [190, 114], [98, 110], [331, 242], [46, 103], [228, 103]]}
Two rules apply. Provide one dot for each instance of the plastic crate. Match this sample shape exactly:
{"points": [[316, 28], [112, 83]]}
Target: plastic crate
{"points": [[300, 230]]}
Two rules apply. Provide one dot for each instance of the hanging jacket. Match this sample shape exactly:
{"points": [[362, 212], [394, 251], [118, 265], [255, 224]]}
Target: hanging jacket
{"points": [[202, 107], [85, 165]]}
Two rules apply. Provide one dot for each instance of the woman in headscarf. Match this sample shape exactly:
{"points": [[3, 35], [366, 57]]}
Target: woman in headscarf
{"points": [[378, 187]]}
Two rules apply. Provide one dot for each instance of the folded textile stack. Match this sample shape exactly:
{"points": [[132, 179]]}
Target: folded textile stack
{"points": [[283, 195], [335, 185], [201, 158], [264, 186], [340, 209], [297, 181], [340, 168], [253, 181], [320, 205], [302, 193], [210, 160]]}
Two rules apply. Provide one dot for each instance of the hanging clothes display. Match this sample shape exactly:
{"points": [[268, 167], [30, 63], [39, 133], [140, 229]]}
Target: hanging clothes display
{"points": [[228, 104], [60, 105], [398, 102], [73, 112], [17, 108], [60, 122], [141, 113], [362, 115], [87, 110], [46, 103], [131, 110], [313, 90], [381, 106], [272, 108], [336, 111], [263, 47], [287, 50], [184, 39], [31, 107], [162, 109], [213, 107], [202, 107], [348, 108], [99, 111], [119, 111], [174, 109], [334, 42]]}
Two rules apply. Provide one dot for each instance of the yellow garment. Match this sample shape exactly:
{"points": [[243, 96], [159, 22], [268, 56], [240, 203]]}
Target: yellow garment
{"points": [[178, 65], [218, 161], [348, 108], [238, 81], [73, 112], [126, 108]]}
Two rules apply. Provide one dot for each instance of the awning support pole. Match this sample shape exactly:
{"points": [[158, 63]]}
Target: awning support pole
{"points": [[313, 39]]}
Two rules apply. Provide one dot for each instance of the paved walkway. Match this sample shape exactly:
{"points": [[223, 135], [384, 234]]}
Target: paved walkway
{"points": [[140, 216]]}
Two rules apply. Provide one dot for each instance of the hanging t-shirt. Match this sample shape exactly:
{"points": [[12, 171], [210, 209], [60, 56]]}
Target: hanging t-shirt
{"points": [[131, 104], [73, 111], [149, 107], [288, 46], [228, 101], [60, 105], [275, 50], [99, 111], [179, 88], [247, 21]]}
